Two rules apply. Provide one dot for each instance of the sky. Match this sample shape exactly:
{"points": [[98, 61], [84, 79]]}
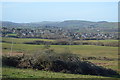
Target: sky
{"points": [[23, 12]]}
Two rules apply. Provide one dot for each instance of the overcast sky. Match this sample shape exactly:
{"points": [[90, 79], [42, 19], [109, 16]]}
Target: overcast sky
{"points": [[59, 11]]}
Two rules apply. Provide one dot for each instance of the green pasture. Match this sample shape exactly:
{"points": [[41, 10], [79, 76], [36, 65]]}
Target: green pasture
{"points": [[12, 34], [83, 50], [22, 40], [80, 50], [103, 41], [106, 64]]}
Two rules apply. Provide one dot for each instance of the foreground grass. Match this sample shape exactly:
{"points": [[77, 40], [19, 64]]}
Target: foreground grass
{"points": [[10, 72]]}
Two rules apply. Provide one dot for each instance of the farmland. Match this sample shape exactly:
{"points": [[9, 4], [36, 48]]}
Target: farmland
{"points": [[84, 51], [59, 40]]}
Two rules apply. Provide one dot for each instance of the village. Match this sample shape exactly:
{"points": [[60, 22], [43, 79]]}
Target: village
{"points": [[57, 33]]}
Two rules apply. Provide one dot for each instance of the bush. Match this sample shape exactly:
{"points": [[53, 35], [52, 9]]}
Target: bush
{"points": [[11, 60], [65, 62]]}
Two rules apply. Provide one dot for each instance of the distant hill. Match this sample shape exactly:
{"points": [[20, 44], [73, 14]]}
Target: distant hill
{"points": [[66, 24]]}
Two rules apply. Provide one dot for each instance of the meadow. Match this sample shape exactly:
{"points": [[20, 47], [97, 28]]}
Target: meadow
{"points": [[23, 40], [81, 50]]}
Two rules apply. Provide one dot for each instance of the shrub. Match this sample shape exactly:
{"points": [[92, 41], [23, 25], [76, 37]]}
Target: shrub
{"points": [[65, 62], [11, 60]]}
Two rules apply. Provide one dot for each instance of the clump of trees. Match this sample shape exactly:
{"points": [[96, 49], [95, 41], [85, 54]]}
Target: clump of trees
{"points": [[49, 60]]}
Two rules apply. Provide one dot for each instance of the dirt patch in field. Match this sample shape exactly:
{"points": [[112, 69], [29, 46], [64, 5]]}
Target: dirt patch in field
{"points": [[104, 64], [13, 54]]}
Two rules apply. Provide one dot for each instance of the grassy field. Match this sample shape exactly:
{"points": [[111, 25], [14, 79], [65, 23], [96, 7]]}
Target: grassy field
{"points": [[80, 50], [29, 73], [12, 34], [22, 40], [99, 41], [83, 50]]}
